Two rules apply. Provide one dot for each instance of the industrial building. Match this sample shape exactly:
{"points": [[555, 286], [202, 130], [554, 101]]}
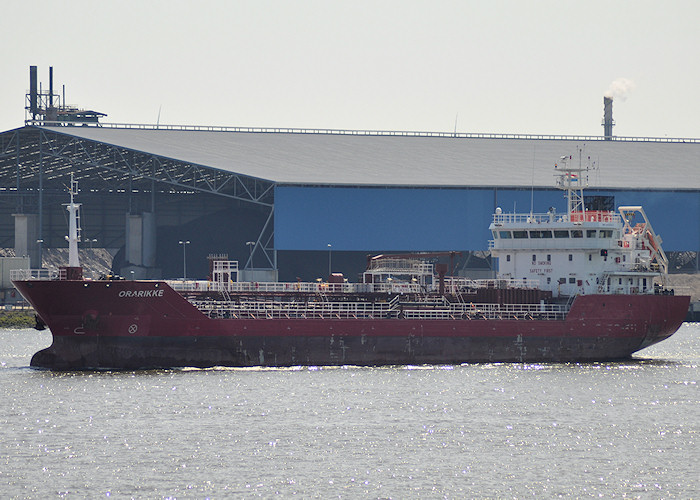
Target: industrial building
{"points": [[294, 204], [274, 193]]}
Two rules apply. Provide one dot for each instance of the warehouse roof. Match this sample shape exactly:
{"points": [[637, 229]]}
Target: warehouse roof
{"points": [[410, 159]]}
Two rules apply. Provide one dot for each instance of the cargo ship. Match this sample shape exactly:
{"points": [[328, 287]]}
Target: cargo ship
{"points": [[583, 285]]}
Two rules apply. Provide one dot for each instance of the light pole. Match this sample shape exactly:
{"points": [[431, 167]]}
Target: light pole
{"points": [[251, 246], [329, 260], [41, 257], [184, 258]]}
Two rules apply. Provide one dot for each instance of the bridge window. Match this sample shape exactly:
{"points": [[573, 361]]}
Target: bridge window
{"points": [[505, 235], [519, 234], [606, 233], [561, 234], [590, 233], [540, 234], [577, 233]]}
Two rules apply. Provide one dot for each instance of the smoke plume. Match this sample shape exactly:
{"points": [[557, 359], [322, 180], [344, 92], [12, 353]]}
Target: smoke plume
{"points": [[620, 88]]}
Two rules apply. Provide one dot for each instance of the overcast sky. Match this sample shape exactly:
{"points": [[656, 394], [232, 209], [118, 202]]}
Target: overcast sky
{"points": [[525, 67]]}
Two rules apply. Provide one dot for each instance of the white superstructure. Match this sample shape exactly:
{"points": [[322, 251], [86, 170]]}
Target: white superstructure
{"points": [[581, 251]]}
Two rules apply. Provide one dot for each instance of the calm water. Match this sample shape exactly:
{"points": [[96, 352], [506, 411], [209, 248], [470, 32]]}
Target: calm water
{"points": [[623, 430]]}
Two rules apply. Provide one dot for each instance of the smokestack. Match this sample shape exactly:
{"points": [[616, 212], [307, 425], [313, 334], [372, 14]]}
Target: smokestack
{"points": [[33, 93], [608, 121], [51, 111], [50, 86]]}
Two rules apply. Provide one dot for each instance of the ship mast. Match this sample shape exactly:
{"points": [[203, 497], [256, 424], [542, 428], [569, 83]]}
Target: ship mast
{"points": [[73, 225], [570, 180]]}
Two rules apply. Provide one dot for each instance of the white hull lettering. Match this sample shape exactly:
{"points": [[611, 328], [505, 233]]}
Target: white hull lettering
{"points": [[141, 293]]}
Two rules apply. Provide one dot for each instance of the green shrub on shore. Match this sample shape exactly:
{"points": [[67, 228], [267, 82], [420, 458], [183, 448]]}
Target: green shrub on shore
{"points": [[17, 319]]}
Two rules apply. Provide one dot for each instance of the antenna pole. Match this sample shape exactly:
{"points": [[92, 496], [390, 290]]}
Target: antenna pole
{"points": [[571, 181], [73, 229], [532, 186]]}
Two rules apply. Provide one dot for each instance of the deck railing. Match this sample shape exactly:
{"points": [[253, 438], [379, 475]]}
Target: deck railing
{"points": [[378, 310], [34, 274], [542, 218], [292, 287], [492, 312], [295, 310], [453, 285]]}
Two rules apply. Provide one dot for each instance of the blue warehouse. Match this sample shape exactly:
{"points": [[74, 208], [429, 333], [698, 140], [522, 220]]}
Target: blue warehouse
{"points": [[279, 200]]}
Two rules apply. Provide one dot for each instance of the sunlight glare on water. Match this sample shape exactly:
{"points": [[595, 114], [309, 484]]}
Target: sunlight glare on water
{"points": [[625, 429]]}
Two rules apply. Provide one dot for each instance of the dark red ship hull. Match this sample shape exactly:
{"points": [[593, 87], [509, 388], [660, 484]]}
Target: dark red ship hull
{"points": [[136, 325]]}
